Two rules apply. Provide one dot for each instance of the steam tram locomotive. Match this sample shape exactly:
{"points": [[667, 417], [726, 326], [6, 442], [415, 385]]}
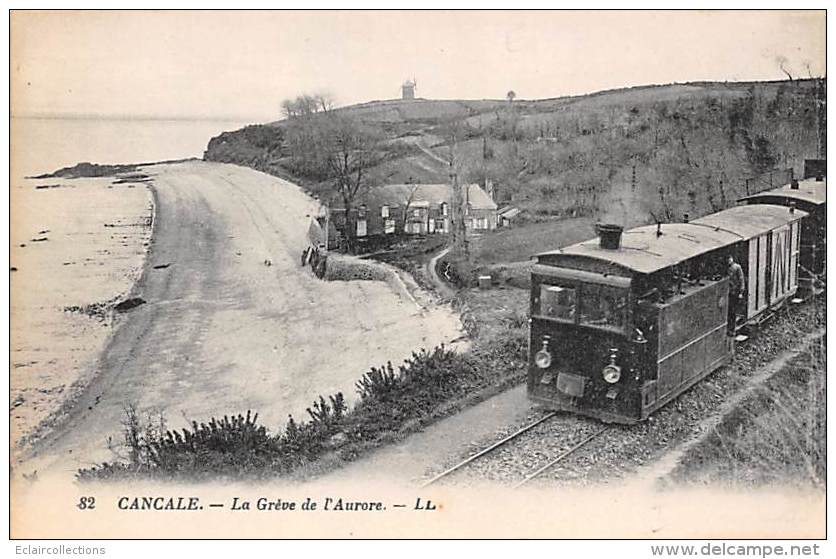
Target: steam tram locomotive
{"points": [[623, 324]]}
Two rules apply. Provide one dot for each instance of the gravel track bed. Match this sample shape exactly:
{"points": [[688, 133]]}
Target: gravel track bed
{"points": [[520, 456], [621, 450]]}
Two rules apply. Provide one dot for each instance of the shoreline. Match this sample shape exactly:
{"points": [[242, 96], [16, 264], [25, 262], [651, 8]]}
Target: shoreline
{"points": [[70, 406], [86, 169], [86, 343]]}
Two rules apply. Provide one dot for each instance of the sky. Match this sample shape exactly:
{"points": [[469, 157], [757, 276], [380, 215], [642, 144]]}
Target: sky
{"points": [[241, 65]]}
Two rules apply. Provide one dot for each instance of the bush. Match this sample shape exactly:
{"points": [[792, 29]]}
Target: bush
{"points": [[256, 146], [238, 447], [230, 446], [340, 268], [458, 271]]}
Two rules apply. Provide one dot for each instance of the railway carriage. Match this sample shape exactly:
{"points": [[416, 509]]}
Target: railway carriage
{"points": [[623, 324], [810, 196], [768, 252]]}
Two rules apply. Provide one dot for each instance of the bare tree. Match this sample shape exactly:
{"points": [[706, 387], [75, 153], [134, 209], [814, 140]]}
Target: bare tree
{"points": [[347, 150], [288, 108], [782, 61], [808, 66], [325, 101], [307, 105], [453, 130], [409, 201]]}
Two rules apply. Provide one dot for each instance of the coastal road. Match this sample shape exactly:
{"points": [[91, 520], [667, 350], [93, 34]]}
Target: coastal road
{"points": [[231, 321]]}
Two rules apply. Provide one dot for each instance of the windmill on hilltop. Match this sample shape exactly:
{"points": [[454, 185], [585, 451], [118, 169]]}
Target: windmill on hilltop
{"points": [[408, 89]]}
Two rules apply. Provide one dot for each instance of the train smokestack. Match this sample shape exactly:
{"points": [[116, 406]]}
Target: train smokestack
{"points": [[794, 184], [610, 235]]}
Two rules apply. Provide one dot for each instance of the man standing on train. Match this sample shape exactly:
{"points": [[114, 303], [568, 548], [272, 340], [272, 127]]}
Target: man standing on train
{"points": [[737, 284]]}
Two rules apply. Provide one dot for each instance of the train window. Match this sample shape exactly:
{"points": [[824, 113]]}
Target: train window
{"points": [[603, 306], [557, 302]]}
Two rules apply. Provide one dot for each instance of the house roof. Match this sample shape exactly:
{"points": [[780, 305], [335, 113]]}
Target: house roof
{"points": [[509, 212], [425, 194]]}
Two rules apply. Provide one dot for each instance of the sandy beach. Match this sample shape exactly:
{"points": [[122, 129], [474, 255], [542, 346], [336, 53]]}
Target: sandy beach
{"points": [[230, 322], [74, 244]]}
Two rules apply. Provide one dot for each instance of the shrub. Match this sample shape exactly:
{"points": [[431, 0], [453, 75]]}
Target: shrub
{"points": [[459, 271], [341, 268], [238, 447], [256, 146]]}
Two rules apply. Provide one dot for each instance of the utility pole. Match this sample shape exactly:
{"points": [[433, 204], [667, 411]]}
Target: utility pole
{"points": [[459, 227], [327, 225], [458, 208]]}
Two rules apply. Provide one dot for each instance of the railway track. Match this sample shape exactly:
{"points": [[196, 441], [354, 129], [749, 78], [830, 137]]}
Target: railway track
{"points": [[530, 476]]}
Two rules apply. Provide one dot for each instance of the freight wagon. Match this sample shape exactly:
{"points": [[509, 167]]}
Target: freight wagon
{"points": [[809, 195]]}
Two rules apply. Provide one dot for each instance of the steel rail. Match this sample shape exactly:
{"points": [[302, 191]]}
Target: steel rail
{"points": [[559, 458], [494, 446]]}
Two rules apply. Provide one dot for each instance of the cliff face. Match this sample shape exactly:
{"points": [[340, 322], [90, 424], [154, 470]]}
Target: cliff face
{"points": [[257, 146], [646, 152]]}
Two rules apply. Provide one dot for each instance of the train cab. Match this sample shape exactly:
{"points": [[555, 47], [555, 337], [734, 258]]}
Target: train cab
{"points": [[622, 324]]}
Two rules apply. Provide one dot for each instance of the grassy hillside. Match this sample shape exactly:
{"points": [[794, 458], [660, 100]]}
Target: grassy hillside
{"points": [[775, 436], [628, 156]]}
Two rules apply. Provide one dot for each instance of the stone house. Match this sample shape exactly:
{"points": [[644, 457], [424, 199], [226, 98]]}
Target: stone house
{"points": [[417, 209]]}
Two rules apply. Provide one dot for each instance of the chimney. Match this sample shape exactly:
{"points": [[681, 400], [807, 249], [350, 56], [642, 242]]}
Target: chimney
{"points": [[819, 177], [794, 184], [610, 235], [792, 207], [684, 218]]}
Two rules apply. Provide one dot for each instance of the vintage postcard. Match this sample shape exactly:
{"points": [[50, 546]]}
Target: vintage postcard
{"points": [[418, 274]]}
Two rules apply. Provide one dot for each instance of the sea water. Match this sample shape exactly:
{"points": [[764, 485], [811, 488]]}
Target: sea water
{"points": [[42, 145], [76, 246]]}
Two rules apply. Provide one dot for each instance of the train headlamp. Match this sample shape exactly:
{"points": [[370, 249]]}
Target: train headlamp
{"points": [[612, 372], [543, 358]]}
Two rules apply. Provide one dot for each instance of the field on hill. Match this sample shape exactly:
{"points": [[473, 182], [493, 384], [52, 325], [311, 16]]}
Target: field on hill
{"points": [[629, 156]]}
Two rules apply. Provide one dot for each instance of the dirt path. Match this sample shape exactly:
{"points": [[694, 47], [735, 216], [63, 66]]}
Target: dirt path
{"points": [[408, 462], [232, 323], [432, 155], [443, 287]]}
